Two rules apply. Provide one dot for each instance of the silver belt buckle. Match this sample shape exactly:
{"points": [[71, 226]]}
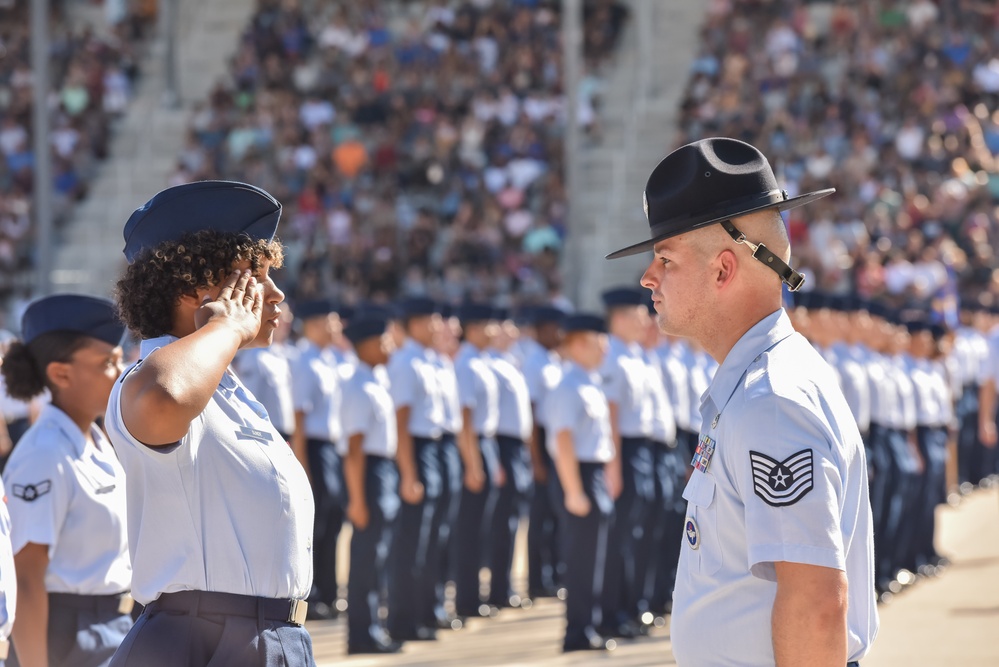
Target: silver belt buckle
{"points": [[297, 611], [4, 648], [125, 603]]}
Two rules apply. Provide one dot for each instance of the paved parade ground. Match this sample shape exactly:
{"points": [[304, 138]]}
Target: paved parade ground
{"points": [[950, 620]]}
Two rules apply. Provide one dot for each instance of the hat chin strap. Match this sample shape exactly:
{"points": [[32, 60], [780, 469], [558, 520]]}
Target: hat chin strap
{"points": [[789, 276]]}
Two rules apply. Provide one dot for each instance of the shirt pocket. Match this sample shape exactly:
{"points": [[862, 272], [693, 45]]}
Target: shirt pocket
{"points": [[700, 530]]}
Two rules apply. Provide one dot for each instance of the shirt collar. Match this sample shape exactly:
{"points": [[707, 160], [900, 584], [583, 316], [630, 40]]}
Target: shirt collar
{"points": [[761, 337], [150, 345], [61, 420]]}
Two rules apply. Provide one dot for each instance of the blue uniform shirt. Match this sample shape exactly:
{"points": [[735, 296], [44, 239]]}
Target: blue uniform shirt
{"points": [[515, 420], [676, 376], [663, 421], [414, 382], [266, 374], [477, 389], [699, 374], [317, 391], [449, 393], [934, 405], [781, 476], [578, 404], [228, 508], [367, 409], [8, 578], [626, 383], [542, 371], [70, 495], [855, 384]]}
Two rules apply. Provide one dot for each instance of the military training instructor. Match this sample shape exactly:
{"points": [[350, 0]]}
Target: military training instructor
{"points": [[777, 565]]}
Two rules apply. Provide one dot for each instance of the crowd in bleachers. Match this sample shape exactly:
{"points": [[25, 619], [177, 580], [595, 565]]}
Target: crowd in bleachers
{"points": [[92, 74], [892, 103], [417, 147]]}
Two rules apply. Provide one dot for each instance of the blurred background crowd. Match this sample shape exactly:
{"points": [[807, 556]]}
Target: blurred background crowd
{"points": [[418, 146]]}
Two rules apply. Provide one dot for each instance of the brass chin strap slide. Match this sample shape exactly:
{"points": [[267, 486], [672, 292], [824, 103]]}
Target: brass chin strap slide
{"points": [[791, 278]]}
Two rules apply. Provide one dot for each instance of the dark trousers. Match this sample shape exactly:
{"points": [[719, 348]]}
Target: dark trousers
{"points": [[623, 582], [168, 636], [542, 542], [369, 550], [880, 474], [471, 530], [510, 501], [584, 543], [666, 527], [83, 630], [444, 521], [904, 483], [326, 468], [411, 584], [967, 435], [933, 448]]}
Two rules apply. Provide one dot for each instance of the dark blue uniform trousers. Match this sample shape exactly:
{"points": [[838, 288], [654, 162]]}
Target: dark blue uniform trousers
{"points": [[445, 517], [471, 530], [510, 501], [932, 442], [83, 630], [967, 435], [411, 584], [369, 550], [666, 527], [197, 629], [624, 584], [880, 474], [905, 482], [584, 543], [326, 469], [542, 540]]}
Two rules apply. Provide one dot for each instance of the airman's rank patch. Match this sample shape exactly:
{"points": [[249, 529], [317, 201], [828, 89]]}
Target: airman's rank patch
{"points": [[31, 492], [782, 483]]}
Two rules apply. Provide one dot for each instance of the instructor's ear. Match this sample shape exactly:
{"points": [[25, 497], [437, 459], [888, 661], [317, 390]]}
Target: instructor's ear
{"points": [[725, 266]]}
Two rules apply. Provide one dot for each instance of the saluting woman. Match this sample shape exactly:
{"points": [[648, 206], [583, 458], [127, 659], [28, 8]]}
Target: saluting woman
{"points": [[67, 489], [219, 509]]}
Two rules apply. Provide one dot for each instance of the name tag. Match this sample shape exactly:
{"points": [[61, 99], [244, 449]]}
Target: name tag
{"points": [[105, 489], [247, 433]]}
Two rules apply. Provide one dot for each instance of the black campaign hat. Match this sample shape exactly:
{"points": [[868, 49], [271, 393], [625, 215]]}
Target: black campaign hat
{"points": [[81, 314], [708, 181], [224, 206]]}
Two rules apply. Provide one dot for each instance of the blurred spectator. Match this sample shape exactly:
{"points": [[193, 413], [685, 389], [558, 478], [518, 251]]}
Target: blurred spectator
{"points": [[417, 146], [92, 78], [894, 104]]}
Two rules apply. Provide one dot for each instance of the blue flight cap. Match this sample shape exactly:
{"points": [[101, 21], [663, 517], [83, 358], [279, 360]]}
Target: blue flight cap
{"points": [[86, 315], [500, 313], [446, 310], [224, 206], [345, 311], [310, 308], [418, 306], [472, 312], [548, 315], [583, 322], [364, 327], [624, 296]]}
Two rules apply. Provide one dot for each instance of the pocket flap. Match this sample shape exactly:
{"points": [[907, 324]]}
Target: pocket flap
{"points": [[700, 490]]}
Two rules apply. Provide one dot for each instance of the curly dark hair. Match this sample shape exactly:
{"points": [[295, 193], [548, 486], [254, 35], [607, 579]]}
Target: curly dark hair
{"points": [[148, 291], [24, 365]]}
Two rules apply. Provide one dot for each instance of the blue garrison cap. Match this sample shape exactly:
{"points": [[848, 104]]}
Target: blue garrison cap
{"points": [[418, 306], [224, 206], [86, 315], [365, 326], [501, 313], [583, 322], [548, 315], [475, 312], [315, 308], [625, 296]]}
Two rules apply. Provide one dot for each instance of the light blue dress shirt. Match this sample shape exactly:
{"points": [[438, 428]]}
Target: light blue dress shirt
{"points": [[578, 404], [317, 391], [514, 420], [477, 389], [414, 382], [266, 374], [786, 480], [626, 382], [368, 410]]}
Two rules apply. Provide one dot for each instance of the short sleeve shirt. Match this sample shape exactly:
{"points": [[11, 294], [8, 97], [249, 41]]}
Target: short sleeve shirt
{"points": [[368, 410], [414, 383], [477, 389], [542, 371], [8, 578], [578, 404], [228, 508], [266, 374], [317, 391], [626, 382], [780, 475], [70, 495], [514, 419]]}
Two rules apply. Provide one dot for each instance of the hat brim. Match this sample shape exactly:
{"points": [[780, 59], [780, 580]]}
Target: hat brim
{"points": [[793, 202]]}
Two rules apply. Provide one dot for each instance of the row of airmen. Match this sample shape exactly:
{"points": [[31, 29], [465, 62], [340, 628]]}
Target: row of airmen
{"points": [[435, 433]]}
